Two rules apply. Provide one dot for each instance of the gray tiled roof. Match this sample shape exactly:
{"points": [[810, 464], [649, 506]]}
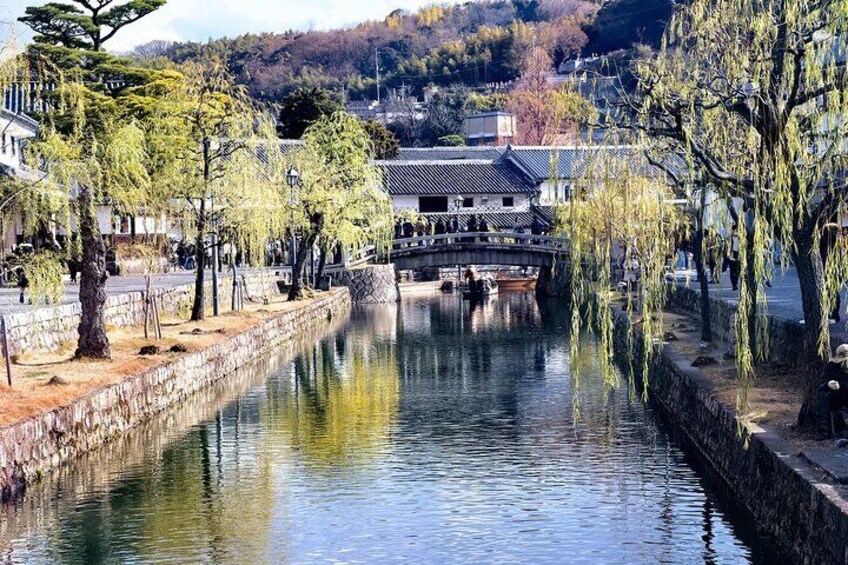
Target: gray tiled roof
{"points": [[452, 177], [580, 162], [449, 153]]}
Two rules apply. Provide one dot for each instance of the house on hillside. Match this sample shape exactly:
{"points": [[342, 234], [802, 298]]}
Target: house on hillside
{"points": [[496, 129]]}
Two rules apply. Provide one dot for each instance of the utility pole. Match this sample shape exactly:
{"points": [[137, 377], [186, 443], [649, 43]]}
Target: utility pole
{"points": [[207, 158], [377, 68]]}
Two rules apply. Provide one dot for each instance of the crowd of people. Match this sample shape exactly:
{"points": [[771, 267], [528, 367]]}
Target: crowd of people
{"points": [[722, 255], [424, 226], [476, 223]]}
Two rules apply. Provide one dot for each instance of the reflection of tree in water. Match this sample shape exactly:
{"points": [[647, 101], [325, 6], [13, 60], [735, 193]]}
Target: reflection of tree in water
{"points": [[341, 402], [198, 486]]}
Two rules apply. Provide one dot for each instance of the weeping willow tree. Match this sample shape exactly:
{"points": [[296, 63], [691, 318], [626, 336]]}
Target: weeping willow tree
{"points": [[204, 134], [91, 149], [618, 216], [86, 167], [340, 199], [754, 93]]}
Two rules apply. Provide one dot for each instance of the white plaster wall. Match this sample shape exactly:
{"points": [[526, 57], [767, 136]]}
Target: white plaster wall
{"points": [[481, 202]]}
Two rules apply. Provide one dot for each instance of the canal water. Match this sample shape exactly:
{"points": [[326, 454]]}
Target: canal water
{"points": [[426, 432]]}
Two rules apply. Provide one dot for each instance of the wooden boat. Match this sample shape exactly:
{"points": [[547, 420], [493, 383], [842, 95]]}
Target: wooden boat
{"points": [[517, 284]]}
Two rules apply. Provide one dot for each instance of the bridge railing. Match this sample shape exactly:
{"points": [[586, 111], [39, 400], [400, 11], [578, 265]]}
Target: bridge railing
{"points": [[510, 240]]}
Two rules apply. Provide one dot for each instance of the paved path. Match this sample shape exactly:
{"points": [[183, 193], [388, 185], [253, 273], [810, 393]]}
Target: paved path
{"points": [[10, 297], [784, 297]]}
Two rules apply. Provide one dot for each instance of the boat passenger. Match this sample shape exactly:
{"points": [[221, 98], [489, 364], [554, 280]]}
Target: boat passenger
{"points": [[832, 394]]}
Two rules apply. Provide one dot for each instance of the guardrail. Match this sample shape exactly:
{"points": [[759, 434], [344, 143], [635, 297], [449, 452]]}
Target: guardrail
{"points": [[487, 240]]}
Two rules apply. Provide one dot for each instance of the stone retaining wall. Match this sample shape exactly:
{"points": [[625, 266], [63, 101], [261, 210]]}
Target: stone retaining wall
{"points": [[786, 338], [375, 284], [789, 500], [554, 281], [47, 329], [35, 446]]}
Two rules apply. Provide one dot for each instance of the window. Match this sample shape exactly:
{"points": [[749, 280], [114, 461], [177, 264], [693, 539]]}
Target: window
{"points": [[432, 204], [14, 146], [508, 201], [5, 144], [468, 203]]}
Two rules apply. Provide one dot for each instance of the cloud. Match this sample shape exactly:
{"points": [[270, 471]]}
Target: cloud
{"points": [[199, 20]]}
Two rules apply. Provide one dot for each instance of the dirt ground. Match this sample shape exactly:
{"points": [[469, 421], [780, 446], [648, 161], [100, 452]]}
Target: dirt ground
{"points": [[774, 399], [32, 393]]}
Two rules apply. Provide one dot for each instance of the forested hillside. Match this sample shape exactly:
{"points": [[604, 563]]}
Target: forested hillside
{"points": [[472, 44]]}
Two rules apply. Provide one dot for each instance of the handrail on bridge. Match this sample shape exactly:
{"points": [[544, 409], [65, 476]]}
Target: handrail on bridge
{"points": [[500, 240]]}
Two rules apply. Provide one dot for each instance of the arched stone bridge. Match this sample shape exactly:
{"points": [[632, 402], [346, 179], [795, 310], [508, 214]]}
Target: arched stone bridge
{"points": [[481, 248]]}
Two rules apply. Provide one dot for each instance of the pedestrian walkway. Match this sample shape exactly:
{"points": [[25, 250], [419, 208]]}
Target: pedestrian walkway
{"points": [[10, 296], [783, 297]]}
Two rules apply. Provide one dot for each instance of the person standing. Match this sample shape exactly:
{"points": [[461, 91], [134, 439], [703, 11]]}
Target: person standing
{"points": [[518, 228], [631, 268], [713, 255], [472, 226], [484, 227], [440, 229], [536, 228], [734, 264], [832, 392], [23, 282]]}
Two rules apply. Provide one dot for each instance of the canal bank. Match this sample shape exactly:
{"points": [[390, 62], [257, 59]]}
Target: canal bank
{"points": [[793, 502], [31, 448], [445, 430]]}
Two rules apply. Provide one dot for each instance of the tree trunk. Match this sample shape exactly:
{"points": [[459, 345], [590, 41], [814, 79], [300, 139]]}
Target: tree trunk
{"points": [[198, 309], [93, 341], [808, 263], [296, 290], [703, 284], [752, 285], [322, 263]]}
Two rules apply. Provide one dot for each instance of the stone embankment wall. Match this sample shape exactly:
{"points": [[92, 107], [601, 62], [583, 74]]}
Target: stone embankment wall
{"points": [[375, 284], [786, 337], [554, 281], [35, 446], [46, 329], [786, 496]]}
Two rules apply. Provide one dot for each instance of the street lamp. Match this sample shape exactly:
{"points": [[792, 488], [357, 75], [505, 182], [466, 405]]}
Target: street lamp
{"points": [[457, 202], [293, 179]]}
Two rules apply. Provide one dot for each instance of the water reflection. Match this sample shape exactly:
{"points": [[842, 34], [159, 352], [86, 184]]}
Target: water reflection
{"points": [[339, 403], [425, 432]]}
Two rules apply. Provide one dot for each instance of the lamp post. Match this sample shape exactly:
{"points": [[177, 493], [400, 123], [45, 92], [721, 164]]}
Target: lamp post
{"points": [[293, 179], [457, 203]]}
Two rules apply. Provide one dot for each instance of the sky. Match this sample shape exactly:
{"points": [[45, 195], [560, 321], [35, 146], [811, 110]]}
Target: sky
{"points": [[199, 20]]}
